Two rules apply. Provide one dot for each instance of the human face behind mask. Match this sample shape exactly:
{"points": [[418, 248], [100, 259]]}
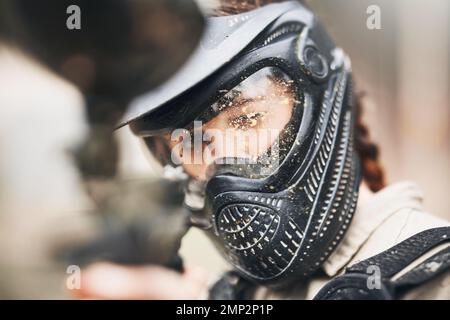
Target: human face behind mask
{"points": [[276, 205], [243, 124]]}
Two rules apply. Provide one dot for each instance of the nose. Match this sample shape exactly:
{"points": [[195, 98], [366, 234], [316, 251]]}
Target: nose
{"points": [[234, 166]]}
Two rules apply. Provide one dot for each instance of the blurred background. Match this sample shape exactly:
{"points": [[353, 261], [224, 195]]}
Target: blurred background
{"points": [[404, 68]]}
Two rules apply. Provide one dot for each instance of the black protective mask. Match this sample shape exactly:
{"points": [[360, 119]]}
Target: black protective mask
{"points": [[278, 228]]}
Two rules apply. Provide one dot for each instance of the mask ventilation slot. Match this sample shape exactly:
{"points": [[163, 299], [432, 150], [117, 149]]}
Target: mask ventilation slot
{"points": [[282, 31]]}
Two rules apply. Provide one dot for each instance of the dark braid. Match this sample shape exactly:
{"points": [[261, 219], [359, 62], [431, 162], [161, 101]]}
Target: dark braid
{"points": [[373, 173]]}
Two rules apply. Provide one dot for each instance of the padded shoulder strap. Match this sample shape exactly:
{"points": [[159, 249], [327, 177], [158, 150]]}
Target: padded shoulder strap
{"points": [[404, 259]]}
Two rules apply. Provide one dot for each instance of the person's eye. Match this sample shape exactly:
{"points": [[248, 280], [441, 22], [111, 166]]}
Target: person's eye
{"points": [[246, 121]]}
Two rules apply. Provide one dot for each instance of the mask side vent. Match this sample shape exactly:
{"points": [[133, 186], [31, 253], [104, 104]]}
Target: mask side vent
{"points": [[281, 32]]}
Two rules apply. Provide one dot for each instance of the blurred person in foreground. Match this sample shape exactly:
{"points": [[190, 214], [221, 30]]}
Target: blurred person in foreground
{"points": [[265, 133], [119, 49]]}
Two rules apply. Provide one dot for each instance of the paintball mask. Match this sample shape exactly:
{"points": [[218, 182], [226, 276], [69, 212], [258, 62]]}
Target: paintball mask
{"points": [[261, 119]]}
